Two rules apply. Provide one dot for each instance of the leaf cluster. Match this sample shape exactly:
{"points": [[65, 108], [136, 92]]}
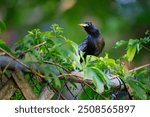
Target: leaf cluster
{"points": [[137, 79], [55, 55]]}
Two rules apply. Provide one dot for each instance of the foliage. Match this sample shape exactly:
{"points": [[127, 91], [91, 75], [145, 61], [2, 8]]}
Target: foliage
{"points": [[51, 47], [17, 96], [138, 80], [4, 46], [110, 16], [2, 26], [134, 46], [55, 55]]}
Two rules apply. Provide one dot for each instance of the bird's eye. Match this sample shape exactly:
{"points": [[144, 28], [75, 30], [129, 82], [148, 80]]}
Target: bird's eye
{"points": [[90, 23]]}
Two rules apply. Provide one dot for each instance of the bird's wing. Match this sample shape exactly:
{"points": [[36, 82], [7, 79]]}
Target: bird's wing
{"points": [[83, 45], [100, 46]]}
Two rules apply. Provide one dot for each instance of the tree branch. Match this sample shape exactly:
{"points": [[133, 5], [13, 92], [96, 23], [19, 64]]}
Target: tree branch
{"points": [[48, 62], [5, 61], [27, 67], [140, 67], [77, 77], [28, 50]]}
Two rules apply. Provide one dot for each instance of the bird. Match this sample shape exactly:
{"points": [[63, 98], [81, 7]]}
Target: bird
{"points": [[94, 43]]}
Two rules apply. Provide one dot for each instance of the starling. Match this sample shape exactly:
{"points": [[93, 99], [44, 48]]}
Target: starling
{"points": [[94, 43]]}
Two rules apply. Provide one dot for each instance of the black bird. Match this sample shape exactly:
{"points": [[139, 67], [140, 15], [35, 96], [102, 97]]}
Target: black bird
{"points": [[94, 42]]}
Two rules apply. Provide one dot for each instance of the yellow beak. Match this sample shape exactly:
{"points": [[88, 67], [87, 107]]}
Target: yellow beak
{"points": [[83, 25]]}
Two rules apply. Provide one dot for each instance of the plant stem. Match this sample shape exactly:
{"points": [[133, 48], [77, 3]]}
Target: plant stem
{"points": [[143, 66], [146, 48]]}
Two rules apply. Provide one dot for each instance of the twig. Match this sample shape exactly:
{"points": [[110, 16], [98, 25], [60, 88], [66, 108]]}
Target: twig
{"points": [[94, 90], [14, 58], [48, 62], [3, 71], [79, 79], [143, 66], [31, 70], [146, 48], [6, 67], [74, 77], [86, 82], [28, 50]]}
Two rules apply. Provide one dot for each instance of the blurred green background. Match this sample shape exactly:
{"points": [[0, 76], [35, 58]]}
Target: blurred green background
{"points": [[117, 19]]}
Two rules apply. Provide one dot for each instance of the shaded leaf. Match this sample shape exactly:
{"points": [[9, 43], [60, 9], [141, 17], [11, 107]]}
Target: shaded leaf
{"points": [[101, 75], [98, 84], [138, 89], [90, 73], [138, 47], [4, 46], [99, 78], [120, 43], [2, 26], [50, 74], [30, 57], [56, 80]]}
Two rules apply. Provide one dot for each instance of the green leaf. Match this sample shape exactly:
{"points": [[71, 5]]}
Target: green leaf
{"points": [[90, 73], [120, 43], [147, 32], [49, 71], [131, 50], [67, 49], [110, 61], [146, 40], [4, 46], [98, 84], [138, 89], [101, 76], [74, 46], [56, 80], [29, 57], [58, 41], [133, 42], [46, 35], [2, 26], [138, 47], [56, 30]]}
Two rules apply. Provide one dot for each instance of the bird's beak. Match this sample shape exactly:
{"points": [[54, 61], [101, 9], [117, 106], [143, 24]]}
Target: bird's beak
{"points": [[83, 25]]}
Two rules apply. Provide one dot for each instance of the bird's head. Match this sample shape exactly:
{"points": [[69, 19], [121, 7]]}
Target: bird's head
{"points": [[90, 28]]}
